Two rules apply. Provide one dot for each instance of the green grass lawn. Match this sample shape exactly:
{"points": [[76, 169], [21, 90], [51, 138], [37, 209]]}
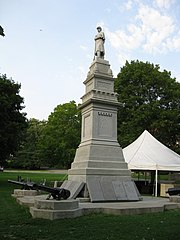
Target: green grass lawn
{"points": [[16, 221]]}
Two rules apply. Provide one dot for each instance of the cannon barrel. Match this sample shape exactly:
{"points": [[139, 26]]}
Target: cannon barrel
{"points": [[56, 193], [24, 185], [173, 191]]}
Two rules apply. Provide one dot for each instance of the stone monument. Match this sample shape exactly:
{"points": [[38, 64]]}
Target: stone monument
{"points": [[99, 162]]}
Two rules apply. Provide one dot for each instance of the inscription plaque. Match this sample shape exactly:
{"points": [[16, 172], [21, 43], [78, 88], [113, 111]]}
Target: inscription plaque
{"points": [[106, 114]]}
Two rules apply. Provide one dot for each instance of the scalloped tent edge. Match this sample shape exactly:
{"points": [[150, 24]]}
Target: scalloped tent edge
{"points": [[147, 153]]}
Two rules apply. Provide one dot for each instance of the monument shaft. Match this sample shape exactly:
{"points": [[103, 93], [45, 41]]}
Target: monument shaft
{"points": [[99, 160]]}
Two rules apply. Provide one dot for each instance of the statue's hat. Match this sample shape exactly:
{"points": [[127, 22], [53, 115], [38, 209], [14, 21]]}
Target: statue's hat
{"points": [[99, 27]]}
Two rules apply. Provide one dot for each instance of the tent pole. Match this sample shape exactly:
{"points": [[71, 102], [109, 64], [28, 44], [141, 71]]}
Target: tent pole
{"points": [[156, 183]]}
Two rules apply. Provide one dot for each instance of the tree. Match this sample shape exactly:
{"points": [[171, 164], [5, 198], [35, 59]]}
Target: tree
{"points": [[61, 136], [12, 120], [150, 100], [2, 31], [28, 156]]}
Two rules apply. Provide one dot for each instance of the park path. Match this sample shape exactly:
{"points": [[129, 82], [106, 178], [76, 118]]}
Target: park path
{"points": [[60, 171]]}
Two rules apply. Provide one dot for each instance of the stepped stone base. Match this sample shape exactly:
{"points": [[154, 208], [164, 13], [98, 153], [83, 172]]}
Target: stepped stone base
{"points": [[53, 209], [104, 171], [147, 205], [21, 193], [175, 199], [27, 201]]}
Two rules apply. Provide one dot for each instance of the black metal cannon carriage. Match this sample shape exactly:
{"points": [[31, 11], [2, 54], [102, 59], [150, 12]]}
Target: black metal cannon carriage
{"points": [[56, 193]]}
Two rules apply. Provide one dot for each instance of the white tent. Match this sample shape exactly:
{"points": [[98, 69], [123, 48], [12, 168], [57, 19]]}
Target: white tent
{"points": [[147, 153]]}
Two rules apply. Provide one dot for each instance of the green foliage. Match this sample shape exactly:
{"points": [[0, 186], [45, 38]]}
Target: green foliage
{"points": [[28, 155], [50, 143], [61, 136], [151, 101], [12, 120]]}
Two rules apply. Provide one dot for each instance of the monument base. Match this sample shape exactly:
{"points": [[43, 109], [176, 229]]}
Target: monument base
{"points": [[18, 193], [106, 189], [53, 209], [103, 170], [175, 199]]}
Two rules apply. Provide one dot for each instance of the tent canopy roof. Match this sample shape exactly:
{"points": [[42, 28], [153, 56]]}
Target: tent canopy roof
{"points": [[147, 153]]}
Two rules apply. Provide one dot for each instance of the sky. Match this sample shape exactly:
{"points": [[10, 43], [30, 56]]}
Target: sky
{"points": [[49, 44]]}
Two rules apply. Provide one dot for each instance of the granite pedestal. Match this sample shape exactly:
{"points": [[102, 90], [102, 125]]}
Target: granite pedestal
{"points": [[22, 192], [53, 209], [99, 160]]}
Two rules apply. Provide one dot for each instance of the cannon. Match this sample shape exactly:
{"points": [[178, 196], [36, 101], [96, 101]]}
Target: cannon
{"points": [[173, 191], [56, 193]]}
